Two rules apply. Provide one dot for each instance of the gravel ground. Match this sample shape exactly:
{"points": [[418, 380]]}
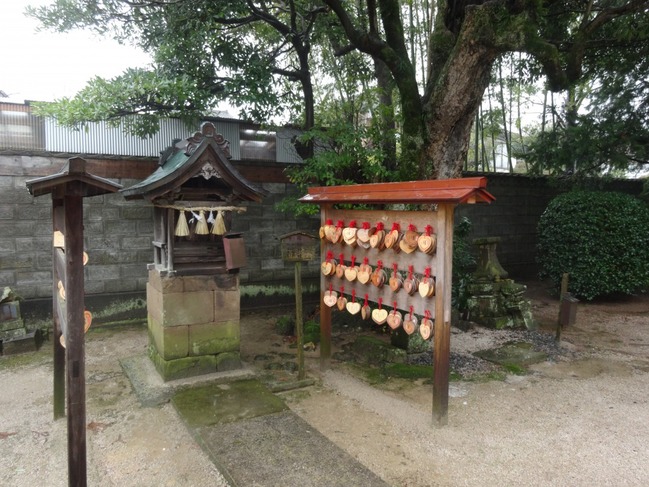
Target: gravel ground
{"points": [[579, 419], [127, 445]]}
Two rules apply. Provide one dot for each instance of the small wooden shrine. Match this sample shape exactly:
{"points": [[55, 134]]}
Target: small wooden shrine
{"points": [[193, 288], [399, 261]]}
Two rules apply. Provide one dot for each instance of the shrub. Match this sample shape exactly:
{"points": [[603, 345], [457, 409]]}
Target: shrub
{"points": [[463, 263], [601, 239], [311, 332], [285, 325]]}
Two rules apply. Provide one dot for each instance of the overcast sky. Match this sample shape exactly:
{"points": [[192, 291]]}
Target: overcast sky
{"points": [[43, 66]]}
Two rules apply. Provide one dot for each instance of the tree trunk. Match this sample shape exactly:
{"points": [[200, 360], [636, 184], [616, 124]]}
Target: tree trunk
{"points": [[454, 95], [457, 94]]}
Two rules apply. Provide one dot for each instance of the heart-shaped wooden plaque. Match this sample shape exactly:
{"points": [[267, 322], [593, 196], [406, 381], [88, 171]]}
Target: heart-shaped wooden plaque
{"points": [[391, 239], [330, 298], [376, 240], [378, 277], [426, 328], [394, 319], [426, 287], [353, 307], [395, 282], [410, 324], [351, 273], [427, 243], [366, 312], [336, 235], [340, 270], [410, 285], [405, 247], [349, 236], [379, 316], [364, 275], [326, 267]]}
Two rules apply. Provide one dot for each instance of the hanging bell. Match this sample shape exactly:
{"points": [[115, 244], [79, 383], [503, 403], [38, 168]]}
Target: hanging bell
{"points": [[201, 225], [182, 229], [219, 224]]}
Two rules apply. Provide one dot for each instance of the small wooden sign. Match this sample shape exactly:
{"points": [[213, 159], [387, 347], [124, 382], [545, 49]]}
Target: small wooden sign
{"points": [[299, 246]]}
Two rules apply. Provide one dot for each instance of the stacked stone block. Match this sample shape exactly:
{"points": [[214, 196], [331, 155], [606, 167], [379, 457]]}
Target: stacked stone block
{"points": [[14, 337], [193, 324]]}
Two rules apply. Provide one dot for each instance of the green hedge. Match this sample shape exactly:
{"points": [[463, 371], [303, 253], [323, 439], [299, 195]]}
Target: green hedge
{"points": [[600, 238]]}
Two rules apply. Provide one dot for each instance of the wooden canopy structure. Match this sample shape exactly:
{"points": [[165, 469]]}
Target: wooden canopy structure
{"points": [[196, 177], [196, 169], [455, 191], [68, 188]]}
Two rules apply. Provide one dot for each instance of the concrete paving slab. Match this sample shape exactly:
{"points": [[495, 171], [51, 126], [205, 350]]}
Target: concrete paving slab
{"points": [[281, 450], [248, 432]]}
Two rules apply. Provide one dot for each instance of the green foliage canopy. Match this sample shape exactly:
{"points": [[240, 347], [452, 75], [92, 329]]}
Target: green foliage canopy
{"points": [[265, 56]]}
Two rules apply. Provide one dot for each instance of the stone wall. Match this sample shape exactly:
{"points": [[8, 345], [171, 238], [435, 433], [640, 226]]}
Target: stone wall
{"points": [[118, 235]]}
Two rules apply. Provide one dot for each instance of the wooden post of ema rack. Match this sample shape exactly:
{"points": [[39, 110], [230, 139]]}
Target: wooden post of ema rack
{"points": [[442, 336], [325, 311], [67, 189]]}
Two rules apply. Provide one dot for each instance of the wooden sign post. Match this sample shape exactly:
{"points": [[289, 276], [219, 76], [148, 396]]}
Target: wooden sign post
{"points": [[424, 264], [299, 247], [68, 188]]}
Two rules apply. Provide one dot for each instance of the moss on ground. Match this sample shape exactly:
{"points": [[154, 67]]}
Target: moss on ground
{"points": [[226, 403]]}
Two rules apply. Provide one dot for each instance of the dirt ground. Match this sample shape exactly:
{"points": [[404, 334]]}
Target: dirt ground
{"points": [[581, 419]]}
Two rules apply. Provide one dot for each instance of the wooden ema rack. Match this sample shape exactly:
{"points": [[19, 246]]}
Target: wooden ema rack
{"points": [[440, 195], [68, 188]]}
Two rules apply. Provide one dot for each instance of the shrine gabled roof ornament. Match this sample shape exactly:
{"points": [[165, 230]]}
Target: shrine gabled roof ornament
{"points": [[205, 156], [464, 190]]}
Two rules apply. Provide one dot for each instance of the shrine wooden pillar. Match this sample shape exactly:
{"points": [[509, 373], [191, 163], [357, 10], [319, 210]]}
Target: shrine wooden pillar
{"points": [[68, 188]]}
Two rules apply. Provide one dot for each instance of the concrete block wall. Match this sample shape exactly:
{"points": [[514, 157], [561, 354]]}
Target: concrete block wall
{"points": [[117, 238], [262, 226], [118, 235], [514, 216]]}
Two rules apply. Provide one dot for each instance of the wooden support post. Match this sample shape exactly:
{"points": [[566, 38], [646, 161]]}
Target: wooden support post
{"points": [[442, 337], [563, 292], [325, 311], [74, 340], [299, 324], [68, 188], [170, 239], [58, 398]]}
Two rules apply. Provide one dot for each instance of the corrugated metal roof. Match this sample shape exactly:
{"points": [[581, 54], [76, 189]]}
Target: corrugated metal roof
{"points": [[20, 130], [102, 138]]}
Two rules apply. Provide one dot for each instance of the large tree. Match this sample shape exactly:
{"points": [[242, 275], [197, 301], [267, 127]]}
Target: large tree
{"points": [[250, 51], [603, 125]]}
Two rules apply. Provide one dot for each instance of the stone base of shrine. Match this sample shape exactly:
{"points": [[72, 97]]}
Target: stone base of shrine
{"points": [[193, 324]]}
